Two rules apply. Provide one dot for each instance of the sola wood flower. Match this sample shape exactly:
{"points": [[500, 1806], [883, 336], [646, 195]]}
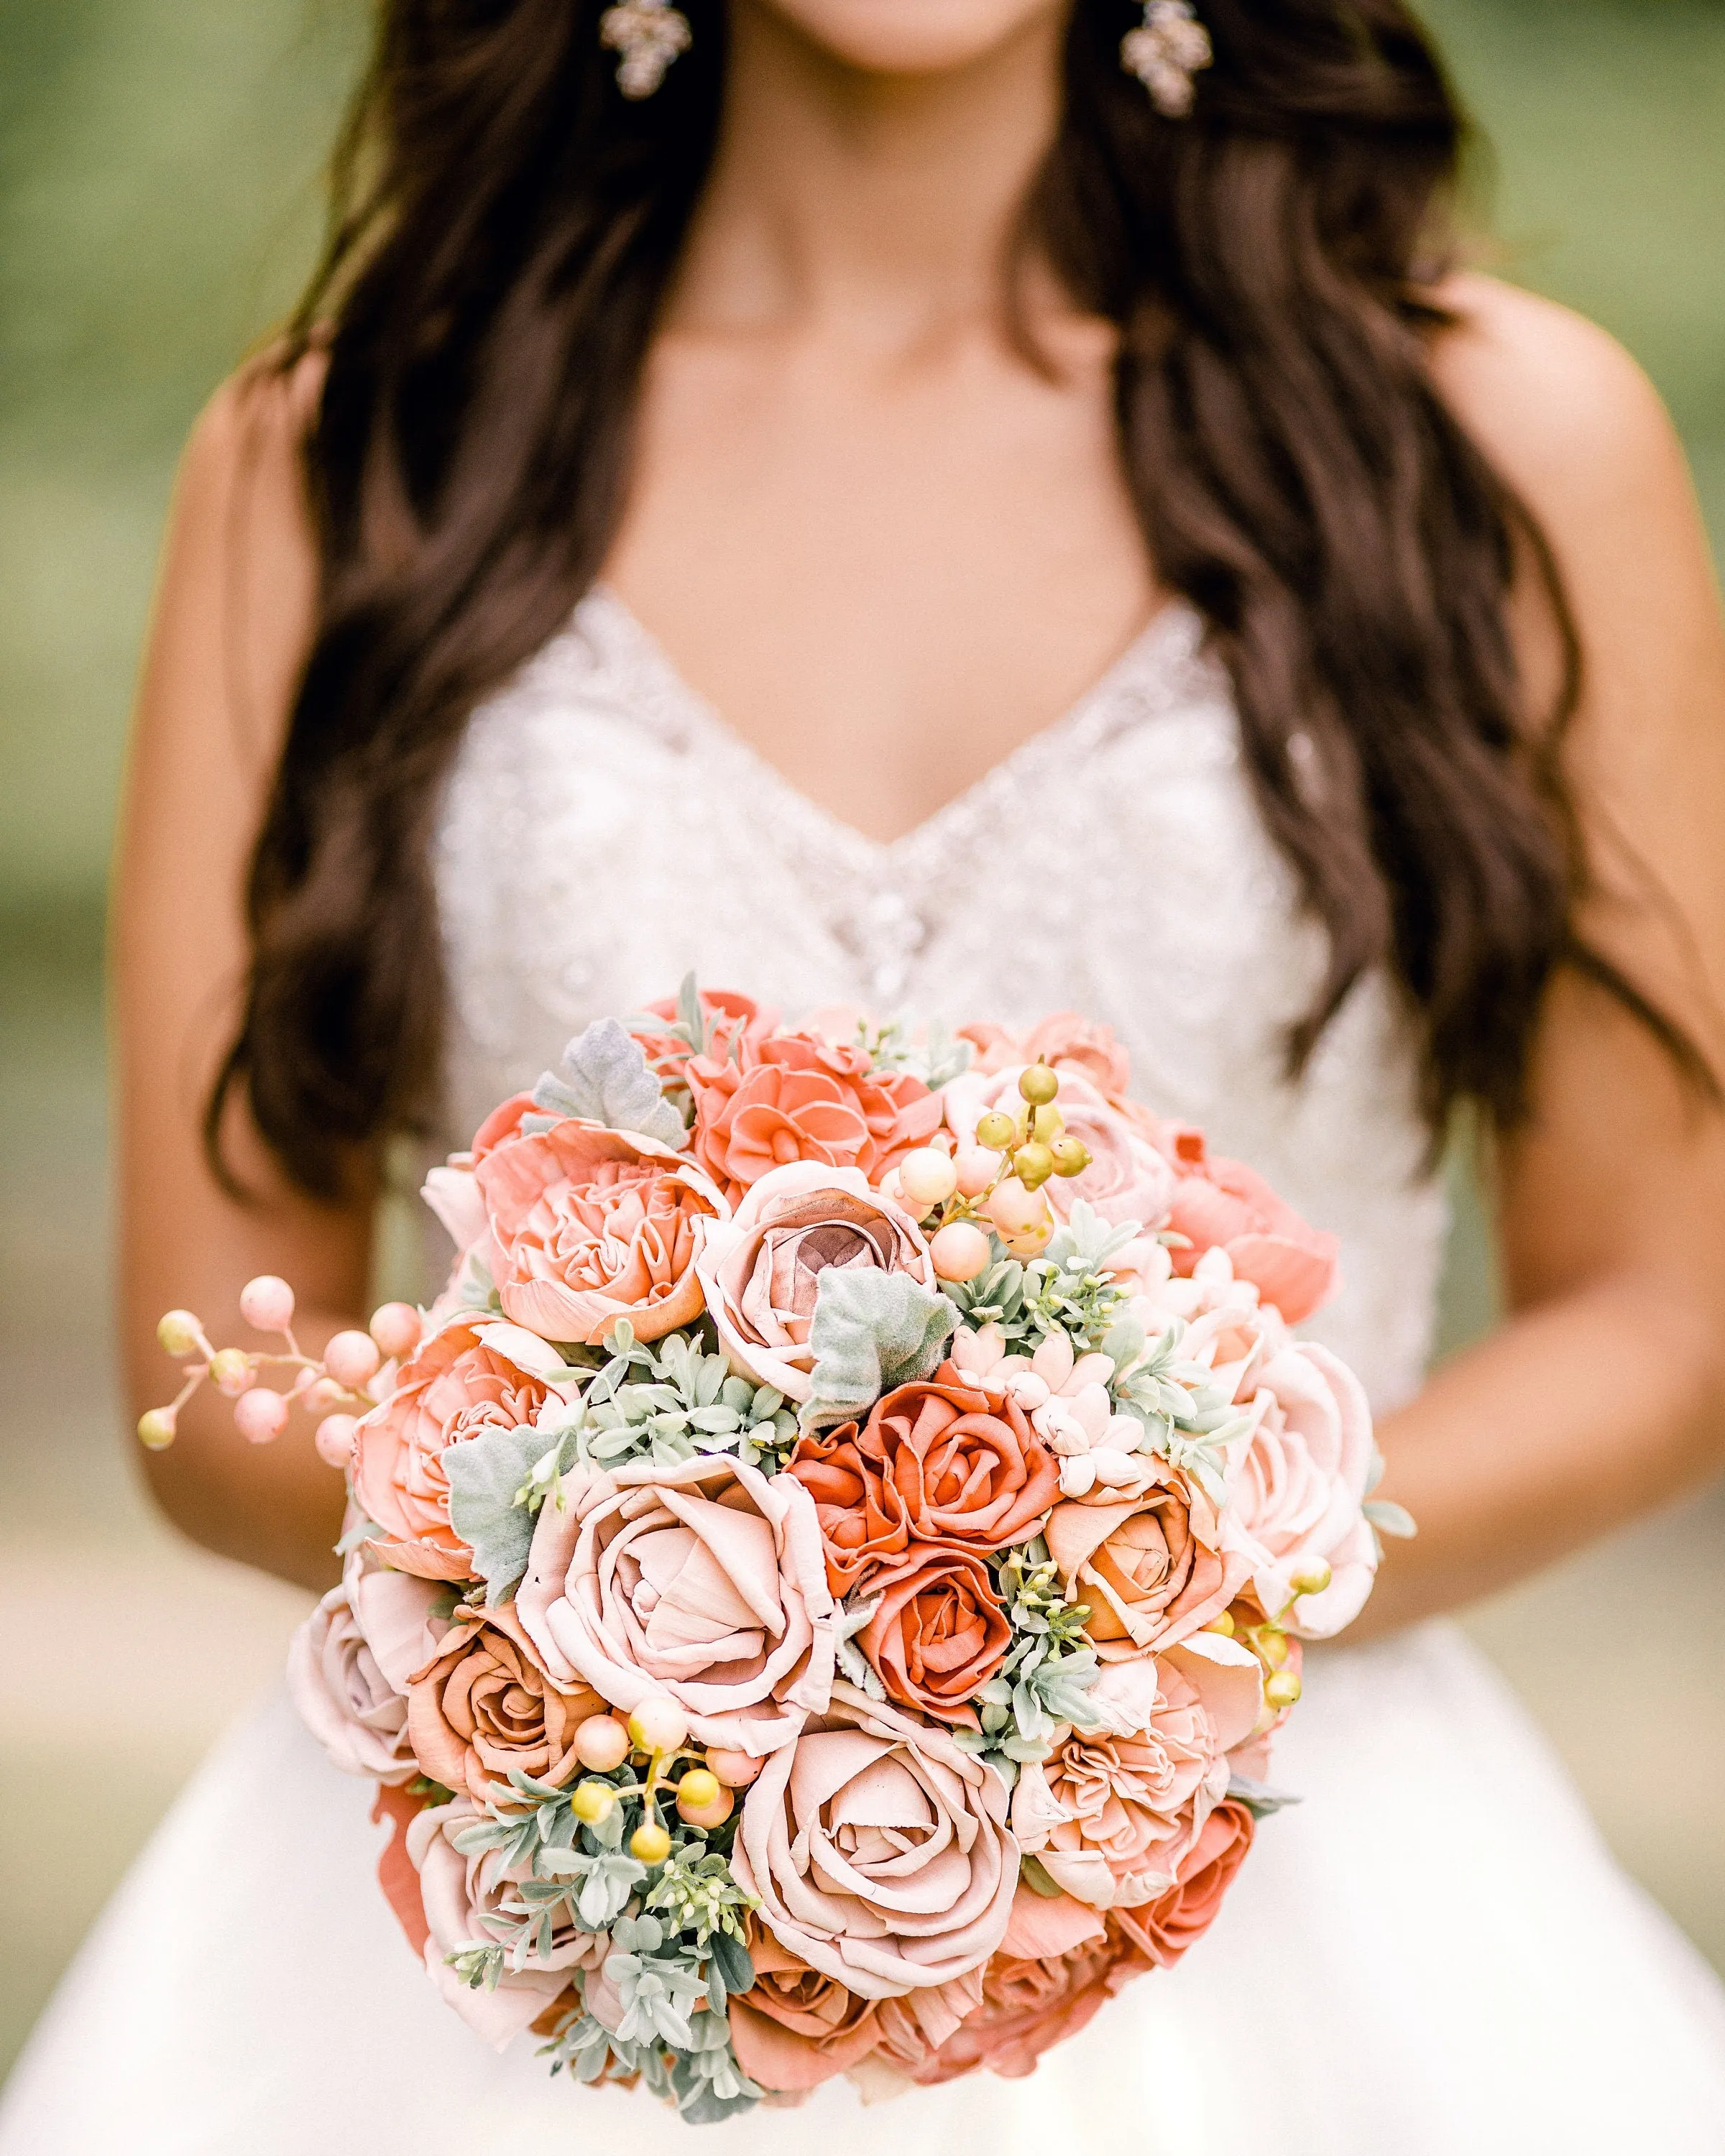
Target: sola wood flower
{"points": [[1151, 1568], [878, 1850], [1162, 1930], [938, 1633], [704, 1581], [762, 1270], [341, 1683], [1218, 1203], [482, 1706], [798, 2027], [589, 1225]]}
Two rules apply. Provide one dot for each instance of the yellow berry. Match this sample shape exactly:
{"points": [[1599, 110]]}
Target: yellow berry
{"points": [[1033, 1164], [649, 1843], [927, 1177], [1224, 1624], [995, 1131], [1070, 1156], [156, 1429], [1282, 1689], [178, 1332], [1312, 1577], [233, 1372], [1038, 1084], [1047, 1124], [707, 1815], [698, 1787], [659, 1724], [592, 1802], [1273, 1646]]}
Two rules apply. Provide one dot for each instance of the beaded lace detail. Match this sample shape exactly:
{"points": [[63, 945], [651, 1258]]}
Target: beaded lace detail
{"points": [[603, 831]]}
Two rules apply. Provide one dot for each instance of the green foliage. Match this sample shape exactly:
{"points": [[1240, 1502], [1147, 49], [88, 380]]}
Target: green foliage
{"points": [[871, 1330], [1064, 1290], [669, 1401], [604, 1079]]}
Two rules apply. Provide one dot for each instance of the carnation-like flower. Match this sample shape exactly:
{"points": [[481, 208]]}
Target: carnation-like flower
{"points": [[798, 2027], [482, 1706], [796, 1096], [449, 1389], [1113, 1812], [589, 1225], [1128, 1178], [1298, 1493], [939, 1633], [1218, 1203], [878, 1850], [1162, 1930], [1151, 1567], [343, 1696], [704, 1580], [761, 1270], [459, 1892], [934, 1462]]}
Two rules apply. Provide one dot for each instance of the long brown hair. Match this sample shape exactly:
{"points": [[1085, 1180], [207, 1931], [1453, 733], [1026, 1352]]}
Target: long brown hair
{"points": [[506, 227]]}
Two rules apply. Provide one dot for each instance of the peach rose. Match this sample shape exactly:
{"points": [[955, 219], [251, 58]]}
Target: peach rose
{"points": [[796, 1096], [1299, 1490], [761, 1270], [797, 2027], [1128, 1178], [344, 1695], [878, 1851], [449, 1389], [1222, 1203], [588, 1225], [939, 1633], [458, 1894], [482, 1705], [934, 1462], [704, 1580], [1111, 1816], [1152, 1568], [1161, 1931], [1071, 1043]]}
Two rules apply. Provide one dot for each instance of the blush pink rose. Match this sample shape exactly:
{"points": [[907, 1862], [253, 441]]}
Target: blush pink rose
{"points": [[1128, 1178], [1222, 1203], [704, 1580], [1298, 1493], [1070, 1043], [798, 2027], [343, 1692], [878, 1850], [796, 1096], [1113, 1812], [1161, 1931], [761, 1270], [448, 1389], [1151, 1567], [588, 1225], [482, 1706]]}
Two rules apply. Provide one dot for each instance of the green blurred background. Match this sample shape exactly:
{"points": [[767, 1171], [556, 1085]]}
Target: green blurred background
{"points": [[159, 165]]}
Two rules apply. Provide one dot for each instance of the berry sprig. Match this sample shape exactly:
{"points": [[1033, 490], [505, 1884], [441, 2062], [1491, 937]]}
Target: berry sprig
{"points": [[993, 1186], [658, 1733], [333, 1385]]}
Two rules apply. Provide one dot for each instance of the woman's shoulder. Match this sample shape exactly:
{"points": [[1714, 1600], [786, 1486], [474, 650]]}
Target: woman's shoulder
{"points": [[252, 433]]}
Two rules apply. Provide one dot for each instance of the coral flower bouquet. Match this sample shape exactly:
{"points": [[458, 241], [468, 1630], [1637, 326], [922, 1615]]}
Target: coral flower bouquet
{"points": [[822, 1582]]}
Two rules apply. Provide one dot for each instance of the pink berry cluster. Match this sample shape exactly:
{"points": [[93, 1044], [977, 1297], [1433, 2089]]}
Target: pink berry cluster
{"points": [[346, 1378], [995, 1184]]}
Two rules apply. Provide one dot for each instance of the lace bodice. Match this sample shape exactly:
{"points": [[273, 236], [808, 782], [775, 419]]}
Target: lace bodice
{"points": [[603, 831]]}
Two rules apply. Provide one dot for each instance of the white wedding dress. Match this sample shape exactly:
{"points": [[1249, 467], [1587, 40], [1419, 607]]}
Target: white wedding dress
{"points": [[1433, 1955]]}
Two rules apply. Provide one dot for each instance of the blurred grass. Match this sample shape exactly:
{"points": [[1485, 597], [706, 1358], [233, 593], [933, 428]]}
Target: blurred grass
{"points": [[158, 165]]}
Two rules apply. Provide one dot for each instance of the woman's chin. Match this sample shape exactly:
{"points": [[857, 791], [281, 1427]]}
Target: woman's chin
{"points": [[911, 37]]}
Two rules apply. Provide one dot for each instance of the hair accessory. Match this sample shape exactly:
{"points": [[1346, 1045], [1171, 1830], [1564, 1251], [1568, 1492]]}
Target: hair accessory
{"points": [[649, 34], [1165, 51]]}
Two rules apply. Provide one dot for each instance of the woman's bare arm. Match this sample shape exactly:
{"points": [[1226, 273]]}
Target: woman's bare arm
{"points": [[233, 618], [1603, 1393]]}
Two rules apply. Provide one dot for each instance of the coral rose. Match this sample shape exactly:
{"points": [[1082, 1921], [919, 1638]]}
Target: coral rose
{"points": [[343, 1693], [451, 1388], [797, 2027], [1222, 1203], [878, 1850], [939, 1633], [1299, 1491], [761, 1270], [1161, 1931], [1112, 1813], [482, 1706], [934, 1462], [589, 1225], [1071, 1043], [1128, 1178], [796, 1096], [459, 1893], [703, 1580], [728, 1017], [1152, 1566]]}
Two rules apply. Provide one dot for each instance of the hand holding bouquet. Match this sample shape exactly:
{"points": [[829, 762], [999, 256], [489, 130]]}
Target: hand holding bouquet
{"points": [[822, 1581]]}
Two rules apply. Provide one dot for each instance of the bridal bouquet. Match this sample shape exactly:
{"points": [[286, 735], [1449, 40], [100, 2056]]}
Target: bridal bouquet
{"points": [[822, 1581]]}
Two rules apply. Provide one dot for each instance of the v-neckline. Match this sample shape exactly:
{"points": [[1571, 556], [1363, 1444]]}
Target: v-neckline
{"points": [[1155, 644]]}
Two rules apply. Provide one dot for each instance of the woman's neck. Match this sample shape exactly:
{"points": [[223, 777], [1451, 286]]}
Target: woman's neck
{"points": [[875, 207]]}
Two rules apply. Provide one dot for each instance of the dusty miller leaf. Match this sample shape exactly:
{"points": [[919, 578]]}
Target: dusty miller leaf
{"points": [[605, 1080], [485, 1474], [871, 1330]]}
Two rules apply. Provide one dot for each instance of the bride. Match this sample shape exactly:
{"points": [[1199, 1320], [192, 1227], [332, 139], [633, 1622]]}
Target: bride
{"points": [[889, 377]]}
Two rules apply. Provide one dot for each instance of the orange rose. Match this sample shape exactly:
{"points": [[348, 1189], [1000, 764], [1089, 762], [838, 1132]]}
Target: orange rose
{"points": [[1151, 1569], [940, 1633], [1162, 1930], [796, 1096], [483, 1705], [798, 2027], [449, 1389]]}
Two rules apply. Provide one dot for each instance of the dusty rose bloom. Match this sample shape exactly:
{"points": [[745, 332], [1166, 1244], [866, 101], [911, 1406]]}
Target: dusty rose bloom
{"points": [[449, 1389], [939, 1633], [878, 1850], [1151, 1568], [798, 2027], [1218, 1203], [1070, 1043], [483, 1705], [1161, 1931], [588, 1225], [343, 1695], [760, 1272], [796, 1096], [704, 1580]]}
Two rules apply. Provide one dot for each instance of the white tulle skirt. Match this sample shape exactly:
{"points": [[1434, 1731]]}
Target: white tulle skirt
{"points": [[1434, 1953]]}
